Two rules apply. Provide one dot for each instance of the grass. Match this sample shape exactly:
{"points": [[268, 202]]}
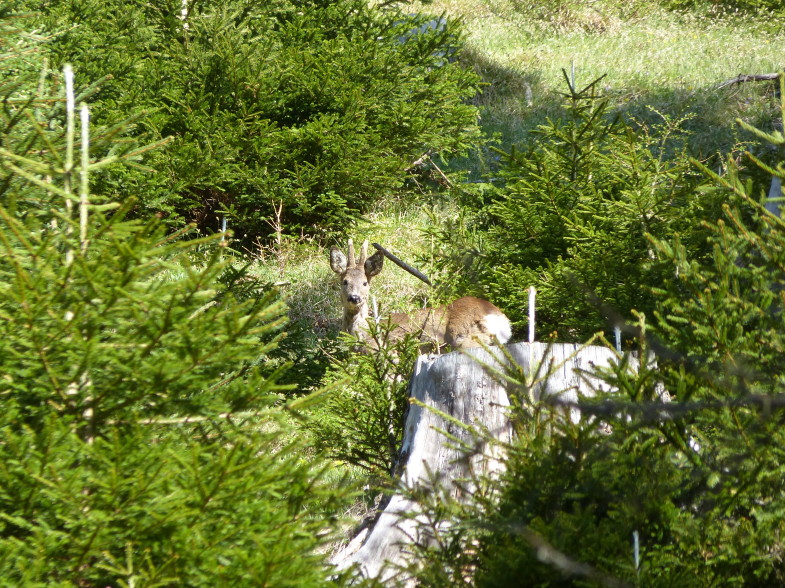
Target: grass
{"points": [[653, 60]]}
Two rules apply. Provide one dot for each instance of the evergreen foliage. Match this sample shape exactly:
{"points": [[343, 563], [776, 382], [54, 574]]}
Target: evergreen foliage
{"points": [[723, 317], [142, 440], [573, 218], [698, 480], [361, 422], [142, 435], [316, 107]]}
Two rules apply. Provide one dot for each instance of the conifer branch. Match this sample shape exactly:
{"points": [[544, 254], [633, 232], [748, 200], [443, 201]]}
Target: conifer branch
{"points": [[660, 411], [36, 166], [49, 187]]}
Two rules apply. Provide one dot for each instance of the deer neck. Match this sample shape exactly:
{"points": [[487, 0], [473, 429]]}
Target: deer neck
{"points": [[355, 321]]}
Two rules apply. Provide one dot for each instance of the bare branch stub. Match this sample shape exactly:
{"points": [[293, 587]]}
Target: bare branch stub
{"points": [[402, 264]]}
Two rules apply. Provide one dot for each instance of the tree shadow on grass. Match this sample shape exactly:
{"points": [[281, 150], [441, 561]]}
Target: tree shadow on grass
{"points": [[702, 121], [312, 333], [708, 116]]}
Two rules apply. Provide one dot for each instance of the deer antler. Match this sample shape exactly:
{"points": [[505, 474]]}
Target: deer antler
{"points": [[363, 253]]}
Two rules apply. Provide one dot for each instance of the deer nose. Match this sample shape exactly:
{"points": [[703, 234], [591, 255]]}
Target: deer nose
{"points": [[353, 298]]}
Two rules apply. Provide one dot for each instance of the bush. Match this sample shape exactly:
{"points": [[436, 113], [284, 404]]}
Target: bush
{"points": [[315, 107], [142, 440]]}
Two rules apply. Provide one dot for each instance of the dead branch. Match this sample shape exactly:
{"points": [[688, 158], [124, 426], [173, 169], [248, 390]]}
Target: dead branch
{"points": [[657, 411], [402, 264], [421, 160], [741, 78], [427, 157]]}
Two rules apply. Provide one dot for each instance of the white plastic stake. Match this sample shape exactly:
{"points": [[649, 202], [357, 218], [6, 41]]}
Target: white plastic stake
{"points": [[68, 74], [375, 310], [572, 73], [68, 167], [532, 298], [184, 14], [84, 113], [532, 301]]}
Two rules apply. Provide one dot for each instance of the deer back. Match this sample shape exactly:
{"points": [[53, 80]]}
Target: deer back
{"points": [[472, 322], [467, 322]]}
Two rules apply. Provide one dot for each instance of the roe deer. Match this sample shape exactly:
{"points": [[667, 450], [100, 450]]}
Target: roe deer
{"points": [[467, 322]]}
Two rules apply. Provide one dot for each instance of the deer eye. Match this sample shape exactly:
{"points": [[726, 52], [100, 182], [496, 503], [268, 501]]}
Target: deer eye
{"points": [[346, 282], [365, 283]]}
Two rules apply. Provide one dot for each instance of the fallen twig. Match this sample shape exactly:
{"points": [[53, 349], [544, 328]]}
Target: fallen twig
{"points": [[741, 78]]}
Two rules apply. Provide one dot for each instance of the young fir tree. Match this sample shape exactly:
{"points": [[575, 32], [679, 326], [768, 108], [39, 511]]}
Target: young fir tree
{"points": [[141, 435], [361, 422]]}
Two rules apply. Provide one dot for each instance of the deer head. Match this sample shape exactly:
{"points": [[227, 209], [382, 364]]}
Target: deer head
{"points": [[355, 276]]}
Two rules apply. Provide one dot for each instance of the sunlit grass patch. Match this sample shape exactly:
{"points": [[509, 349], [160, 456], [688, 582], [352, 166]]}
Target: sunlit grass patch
{"points": [[650, 57]]}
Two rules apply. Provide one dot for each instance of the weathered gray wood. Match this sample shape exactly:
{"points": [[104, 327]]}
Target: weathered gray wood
{"points": [[774, 202], [748, 78], [563, 372], [462, 386]]}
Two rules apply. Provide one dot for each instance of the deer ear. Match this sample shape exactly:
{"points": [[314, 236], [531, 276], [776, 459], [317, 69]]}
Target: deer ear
{"points": [[337, 260], [373, 265]]}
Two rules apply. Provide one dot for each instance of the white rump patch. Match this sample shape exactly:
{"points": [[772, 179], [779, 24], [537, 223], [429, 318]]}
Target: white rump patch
{"points": [[499, 325]]}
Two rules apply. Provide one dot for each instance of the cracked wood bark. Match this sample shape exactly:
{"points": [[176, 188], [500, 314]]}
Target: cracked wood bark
{"points": [[458, 385]]}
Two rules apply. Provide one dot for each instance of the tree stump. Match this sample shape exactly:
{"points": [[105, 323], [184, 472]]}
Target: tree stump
{"points": [[461, 387]]}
